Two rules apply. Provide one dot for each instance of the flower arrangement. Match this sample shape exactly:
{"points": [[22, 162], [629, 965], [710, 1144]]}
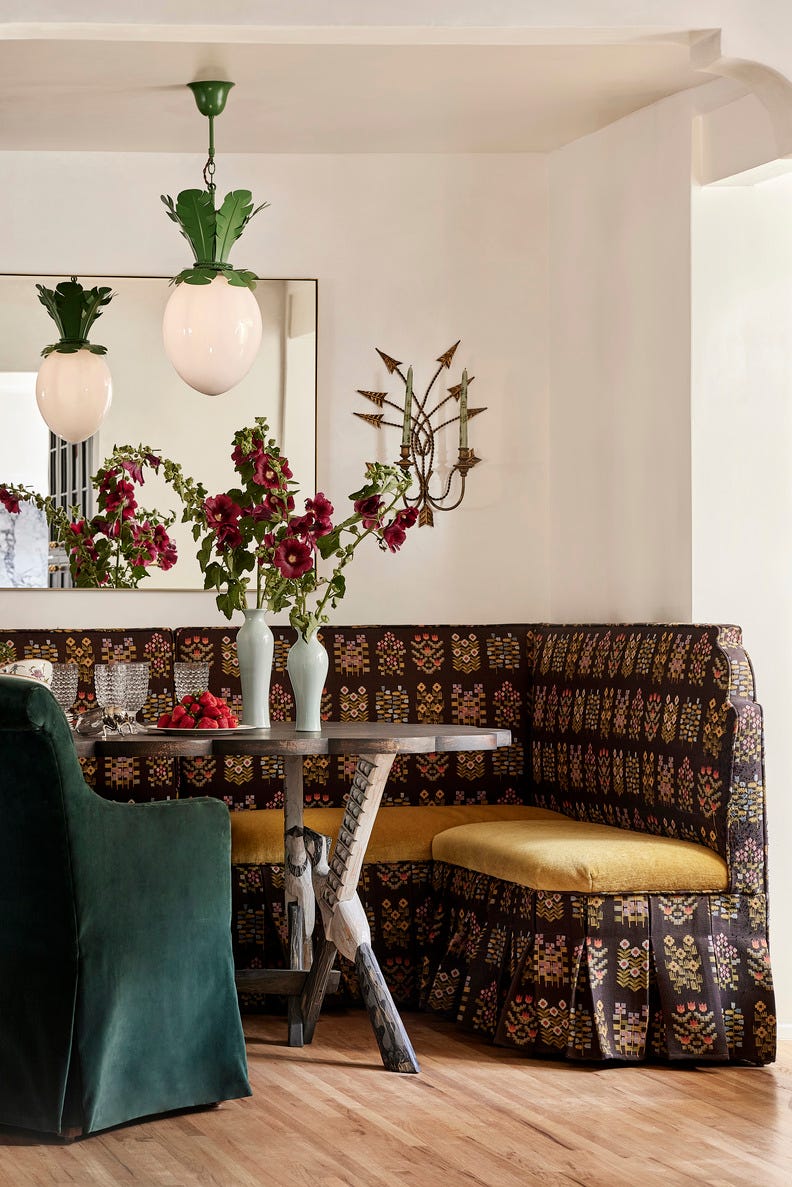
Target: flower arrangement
{"points": [[234, 527], [300, 539], [254, 530], [248, 536]]}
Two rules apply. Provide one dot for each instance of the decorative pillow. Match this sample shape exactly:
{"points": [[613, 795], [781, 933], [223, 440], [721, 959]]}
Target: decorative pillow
{"points": [[29, 669]]}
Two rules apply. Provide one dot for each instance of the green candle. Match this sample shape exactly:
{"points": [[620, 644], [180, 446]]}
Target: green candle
{"points": [[407, 426], [463, 413]]}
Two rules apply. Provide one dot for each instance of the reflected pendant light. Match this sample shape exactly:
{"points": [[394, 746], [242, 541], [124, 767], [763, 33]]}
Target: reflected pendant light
{"points": [[73, 387], [212, 323]]}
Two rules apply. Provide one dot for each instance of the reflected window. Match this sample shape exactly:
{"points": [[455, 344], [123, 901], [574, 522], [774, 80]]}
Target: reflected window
{"points": [[24, 538]]}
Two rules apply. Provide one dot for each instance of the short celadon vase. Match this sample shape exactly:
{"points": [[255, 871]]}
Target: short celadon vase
{"points": [[307, 664], [255, 647]]}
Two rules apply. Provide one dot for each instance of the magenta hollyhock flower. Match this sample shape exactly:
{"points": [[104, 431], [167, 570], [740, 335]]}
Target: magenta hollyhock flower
{"points": [[222, 516], [320, 505], [153, 461], [166, 549], [393, 536], [369, 509], [146, 551], [265, 472], [293, 557], [407, 516], [134, 471], [228, 536], [9, 501], [88, 545], [302, 526], [266, 510], [108, 479], [221, 511], [320, 508], [121, 498]]}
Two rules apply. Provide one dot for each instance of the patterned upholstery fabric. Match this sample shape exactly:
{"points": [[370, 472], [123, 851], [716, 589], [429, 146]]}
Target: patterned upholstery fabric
{"points": [[623, 977], [125, 779], [634, 726], [648, 727], [652, 728], [469, 675]]}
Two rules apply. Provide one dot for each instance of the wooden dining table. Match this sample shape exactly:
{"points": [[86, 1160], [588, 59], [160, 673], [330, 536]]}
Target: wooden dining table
{"points": [[318, 873]]}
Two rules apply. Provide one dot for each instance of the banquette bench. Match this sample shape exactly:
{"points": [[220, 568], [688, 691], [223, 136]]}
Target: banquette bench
{"points": [[595, 891]]}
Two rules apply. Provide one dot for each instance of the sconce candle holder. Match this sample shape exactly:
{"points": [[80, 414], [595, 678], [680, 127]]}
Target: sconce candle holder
{"points": [[419, 433]]}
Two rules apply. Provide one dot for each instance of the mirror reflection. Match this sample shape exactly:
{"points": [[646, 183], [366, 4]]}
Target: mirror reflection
{"points": [[151, 406]]}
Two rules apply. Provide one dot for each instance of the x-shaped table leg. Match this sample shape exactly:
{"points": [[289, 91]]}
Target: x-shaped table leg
{"points": [[346, 929]]}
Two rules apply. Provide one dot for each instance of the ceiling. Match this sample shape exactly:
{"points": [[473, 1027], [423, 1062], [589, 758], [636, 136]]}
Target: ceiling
{"points": [[128, 96]]}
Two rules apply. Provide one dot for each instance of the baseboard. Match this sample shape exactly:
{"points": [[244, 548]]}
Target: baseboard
{"points": [[785, 1031]]}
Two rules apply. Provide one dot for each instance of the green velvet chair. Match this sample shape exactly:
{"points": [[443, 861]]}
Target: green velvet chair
{"points": [[117, 995]]}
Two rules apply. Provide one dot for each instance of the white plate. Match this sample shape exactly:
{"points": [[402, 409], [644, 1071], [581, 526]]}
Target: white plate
{"points": [[174, 730]]}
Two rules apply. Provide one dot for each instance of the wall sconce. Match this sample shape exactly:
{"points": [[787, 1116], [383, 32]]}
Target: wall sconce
{"points": [[212, 323], [418, 434], [74, 388]]}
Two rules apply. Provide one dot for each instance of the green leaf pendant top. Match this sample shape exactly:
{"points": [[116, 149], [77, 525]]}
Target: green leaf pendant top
{"points": [[196, 213], [74, 309], [212, 233]]}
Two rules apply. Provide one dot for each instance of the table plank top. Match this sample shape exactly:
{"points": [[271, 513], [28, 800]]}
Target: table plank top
{"points": [[348, 737]]}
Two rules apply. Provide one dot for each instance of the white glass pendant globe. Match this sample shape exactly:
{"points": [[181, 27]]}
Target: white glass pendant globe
{"points": [[212, 333], [73, 393]]}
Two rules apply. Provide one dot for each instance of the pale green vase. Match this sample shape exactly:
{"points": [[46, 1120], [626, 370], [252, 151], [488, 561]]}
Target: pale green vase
{"points": [[255, 647], [307, 664]]}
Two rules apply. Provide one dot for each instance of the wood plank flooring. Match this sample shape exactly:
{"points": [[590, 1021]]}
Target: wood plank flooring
{"points": [[329, 1115]]}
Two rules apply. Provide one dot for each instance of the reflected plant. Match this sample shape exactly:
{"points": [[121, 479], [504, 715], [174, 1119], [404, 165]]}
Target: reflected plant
{"points": [[119, 545]]}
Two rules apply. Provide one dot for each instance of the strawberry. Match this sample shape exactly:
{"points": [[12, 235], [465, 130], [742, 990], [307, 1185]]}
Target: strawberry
{"points": [[233, 722], [222, 723], [207, 723], [178, 712], [212, 711], [186, 722], [187, 700], [207, 699], [164, 720]]}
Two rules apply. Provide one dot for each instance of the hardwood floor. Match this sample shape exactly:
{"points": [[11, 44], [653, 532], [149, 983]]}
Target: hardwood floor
{"points": [[329, 1115]]}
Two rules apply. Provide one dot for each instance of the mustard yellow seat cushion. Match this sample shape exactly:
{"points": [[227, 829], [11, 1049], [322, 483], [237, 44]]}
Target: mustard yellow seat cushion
{"points": [[572, 855], [400, 833]]}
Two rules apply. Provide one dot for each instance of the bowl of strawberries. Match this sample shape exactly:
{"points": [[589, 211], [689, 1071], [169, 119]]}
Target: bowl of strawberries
{"points": [[203, 712]]}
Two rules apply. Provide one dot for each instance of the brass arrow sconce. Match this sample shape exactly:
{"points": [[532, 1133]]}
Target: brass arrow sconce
{"points": [[420, 425]]}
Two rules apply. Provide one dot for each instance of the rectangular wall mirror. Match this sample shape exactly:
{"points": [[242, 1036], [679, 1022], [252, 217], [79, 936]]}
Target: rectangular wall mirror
{"points": [[151, 406]]}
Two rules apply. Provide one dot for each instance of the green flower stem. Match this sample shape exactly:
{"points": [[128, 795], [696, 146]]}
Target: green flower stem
{"points": [[301, 595]]}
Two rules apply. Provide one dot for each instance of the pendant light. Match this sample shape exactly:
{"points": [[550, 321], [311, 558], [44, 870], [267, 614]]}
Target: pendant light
{"points": [[74, 387], [212, 324]]}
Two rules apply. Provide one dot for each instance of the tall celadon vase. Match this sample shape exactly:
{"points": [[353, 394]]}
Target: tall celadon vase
{"points": [[255, 647], [307, 664]]}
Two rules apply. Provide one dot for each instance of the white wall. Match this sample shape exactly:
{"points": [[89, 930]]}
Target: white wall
{"points": [[742, 479], [619, 411], [411, 253]]}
